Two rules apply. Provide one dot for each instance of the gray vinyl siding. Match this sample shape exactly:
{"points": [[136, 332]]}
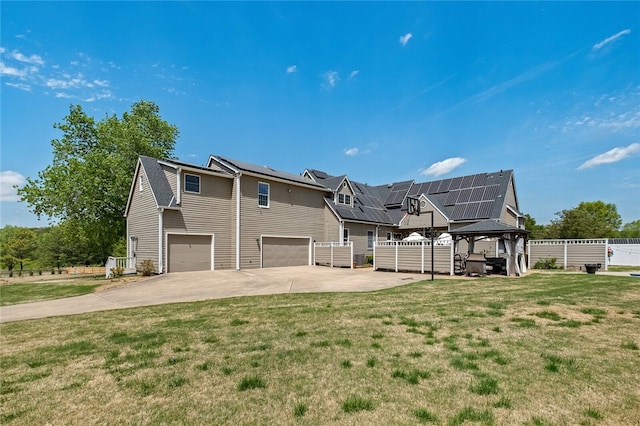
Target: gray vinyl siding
{"points": [[293, 211], [424, 220], [142, 221], [509, 199], [358, 235], [331, 226], [208, 212], [170, 174]]}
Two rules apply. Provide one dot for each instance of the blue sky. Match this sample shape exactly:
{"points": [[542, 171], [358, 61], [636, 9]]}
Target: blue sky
{"points": [[383, 92]]}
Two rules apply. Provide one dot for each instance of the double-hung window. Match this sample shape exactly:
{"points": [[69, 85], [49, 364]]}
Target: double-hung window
{"points": [[263, 194], [345, 236], [192, 183], [344, 199]]}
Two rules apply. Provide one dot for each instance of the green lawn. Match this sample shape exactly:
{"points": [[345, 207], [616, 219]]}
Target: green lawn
{"points": [[541, 350], [38, 291]]}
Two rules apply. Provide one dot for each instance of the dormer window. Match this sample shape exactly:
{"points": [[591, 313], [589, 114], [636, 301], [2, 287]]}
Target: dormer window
{"points": [[344, 199], [141, 182]]}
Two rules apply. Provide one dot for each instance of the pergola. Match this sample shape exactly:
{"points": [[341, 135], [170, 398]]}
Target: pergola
{"points": [[514, 241]]}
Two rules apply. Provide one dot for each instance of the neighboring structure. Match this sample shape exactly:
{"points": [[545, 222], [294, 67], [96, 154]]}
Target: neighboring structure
{"points": [[235, 215]]}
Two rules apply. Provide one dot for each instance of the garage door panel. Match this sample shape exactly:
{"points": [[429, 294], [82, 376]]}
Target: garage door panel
{"points": [[281, 251], [189, 253]]}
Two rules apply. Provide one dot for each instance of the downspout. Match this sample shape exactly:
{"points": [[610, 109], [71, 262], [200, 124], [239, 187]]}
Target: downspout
{"points": [[178, 186], [160, 226], [237, 182]]}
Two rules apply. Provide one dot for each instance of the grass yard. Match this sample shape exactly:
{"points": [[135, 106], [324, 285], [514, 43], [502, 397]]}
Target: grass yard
{"points": [[546, 349], [12, 293]]}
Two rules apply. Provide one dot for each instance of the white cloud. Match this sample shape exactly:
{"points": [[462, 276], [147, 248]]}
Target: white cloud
{"points": [[353, 74], [612, 156], [331, 78], [9, 179], [33, 59], [21, 86], [11, 71], [443, 167], [292, 69], [405, 39], [351, 152], [611, 39], [101, 83]]}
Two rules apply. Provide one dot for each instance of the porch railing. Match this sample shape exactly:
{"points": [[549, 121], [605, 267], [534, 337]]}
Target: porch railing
{"points": [[127, 264]]}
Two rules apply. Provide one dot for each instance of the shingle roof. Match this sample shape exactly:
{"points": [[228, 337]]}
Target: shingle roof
{"points": [[473, 197], [158, 182], [267, 171]]}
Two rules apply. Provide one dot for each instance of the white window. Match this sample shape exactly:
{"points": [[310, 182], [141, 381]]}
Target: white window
{"points": [[370, 240], [192, 183], [345, 236], [344, 199], [263, 194], [141, 182]]}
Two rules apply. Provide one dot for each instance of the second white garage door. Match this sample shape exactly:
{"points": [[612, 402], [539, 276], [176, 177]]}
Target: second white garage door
{"points": [[189, 252], [285, 251]]}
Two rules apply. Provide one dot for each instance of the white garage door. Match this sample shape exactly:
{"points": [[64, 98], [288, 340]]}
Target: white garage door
{"points": [[189, 253], [281, 251]]}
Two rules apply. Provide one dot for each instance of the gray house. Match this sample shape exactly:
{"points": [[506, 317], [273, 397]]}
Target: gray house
{"points": [[234, 215]]}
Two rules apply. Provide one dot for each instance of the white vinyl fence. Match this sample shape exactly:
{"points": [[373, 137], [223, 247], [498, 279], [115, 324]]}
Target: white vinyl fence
{"points": [[414, 256], [335, 255], [569, 254]]}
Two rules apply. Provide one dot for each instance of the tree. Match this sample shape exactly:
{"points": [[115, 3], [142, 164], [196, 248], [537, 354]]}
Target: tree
{"points": [[591, 219], [631, 230], [17, 246], [88, 181]]}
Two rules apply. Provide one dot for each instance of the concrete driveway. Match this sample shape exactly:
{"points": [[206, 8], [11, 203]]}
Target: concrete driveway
{"points": [[195, 286]]}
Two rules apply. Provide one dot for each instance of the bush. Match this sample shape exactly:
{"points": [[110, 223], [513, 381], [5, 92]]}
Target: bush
{"points": [[546, 264], [147, 268], [370, 259], [117, 272]]}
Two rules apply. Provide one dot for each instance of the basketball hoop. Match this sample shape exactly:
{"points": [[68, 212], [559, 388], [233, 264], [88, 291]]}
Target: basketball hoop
{"points": [[413, 206]]}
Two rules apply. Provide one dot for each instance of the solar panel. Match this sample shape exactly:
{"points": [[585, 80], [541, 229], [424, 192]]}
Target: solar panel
{"points": [[476, 194], [471, 210], [464, 196], [320, 175], [444, 186], [490, 192], [452, 197], [467, 182], [455, 183], [402, 186], [433, 189], [420, 189], [480, 180], [484, 212], [458, 211]]}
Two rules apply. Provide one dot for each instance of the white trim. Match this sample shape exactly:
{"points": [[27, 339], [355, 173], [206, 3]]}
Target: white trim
{"points": [[196, 169], [201, 234], [238, 197], [373, 239], [160, 251], [268, 195], [178, 185], [299, 237], [348, 235], [199, 183]]}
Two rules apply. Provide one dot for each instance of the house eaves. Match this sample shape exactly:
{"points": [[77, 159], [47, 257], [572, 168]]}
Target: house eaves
{"points": [[195, 169], [264, 172]]}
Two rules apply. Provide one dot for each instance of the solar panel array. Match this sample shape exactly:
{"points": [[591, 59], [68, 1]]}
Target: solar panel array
{"points": [[397, 194]]}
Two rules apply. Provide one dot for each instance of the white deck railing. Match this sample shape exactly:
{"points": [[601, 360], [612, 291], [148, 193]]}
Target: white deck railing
{"points": [[126, 263]]}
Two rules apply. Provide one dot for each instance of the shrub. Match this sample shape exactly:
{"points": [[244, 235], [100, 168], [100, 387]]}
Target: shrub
{"points": [[549, 263], [117, 272], [147, 268]]}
